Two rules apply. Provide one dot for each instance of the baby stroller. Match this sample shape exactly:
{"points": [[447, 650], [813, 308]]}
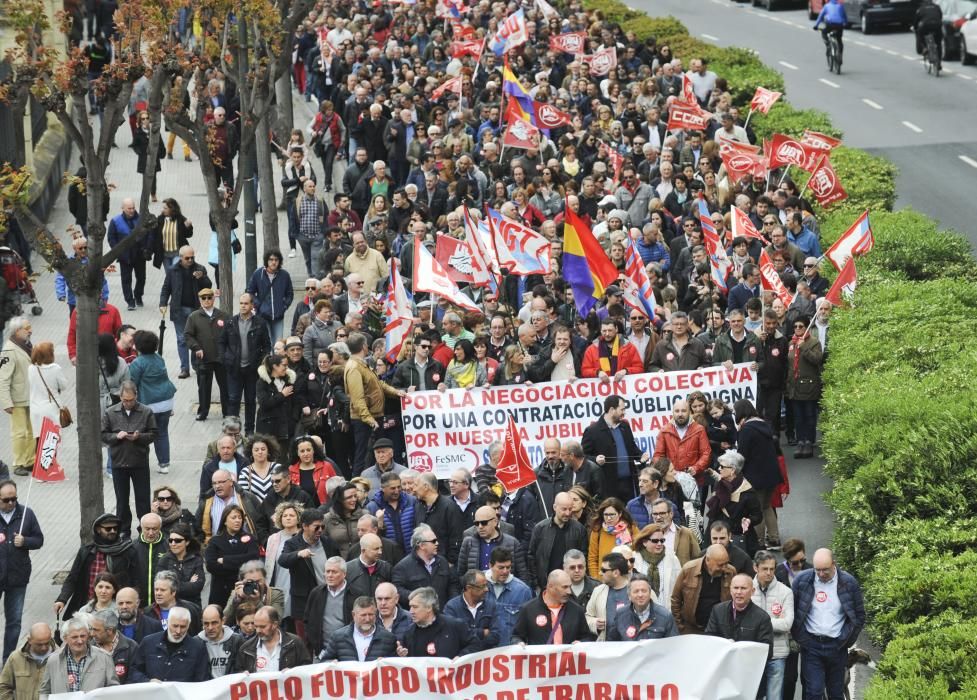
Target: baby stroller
{"points": [[16, 289]]}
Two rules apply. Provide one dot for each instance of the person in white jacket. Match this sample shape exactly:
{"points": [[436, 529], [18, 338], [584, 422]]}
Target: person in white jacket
{"points": [[656, 561], [47, 384], [778, 600]]}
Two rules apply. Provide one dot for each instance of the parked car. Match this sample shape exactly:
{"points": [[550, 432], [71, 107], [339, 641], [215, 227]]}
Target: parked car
{"points": [[955, 14], [869, 15], [772, 5], [968, 40]]}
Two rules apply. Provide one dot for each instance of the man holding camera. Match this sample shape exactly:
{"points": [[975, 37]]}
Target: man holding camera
{"points": [[252, 587]]}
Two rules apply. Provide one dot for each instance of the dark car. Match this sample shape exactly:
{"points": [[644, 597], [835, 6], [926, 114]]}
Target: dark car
{"points": [[955, 14], [772, 5], [869, 15]]}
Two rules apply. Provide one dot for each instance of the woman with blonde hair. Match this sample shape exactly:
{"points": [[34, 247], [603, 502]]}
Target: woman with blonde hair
{"points": [[286, 521], [656, 561]]}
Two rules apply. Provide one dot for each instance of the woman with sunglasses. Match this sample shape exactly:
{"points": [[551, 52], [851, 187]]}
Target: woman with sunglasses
{"points": [[167, 505], [231, 547], [185, 561], [656, 561]]}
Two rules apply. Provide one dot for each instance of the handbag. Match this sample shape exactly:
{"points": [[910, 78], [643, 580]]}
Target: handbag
{"points": [[64, 413], [113, 398]]}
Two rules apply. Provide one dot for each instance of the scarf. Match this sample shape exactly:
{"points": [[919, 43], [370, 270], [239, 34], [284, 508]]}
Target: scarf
{"points": [[112, 548], [608, 355], [170, 516], [722, 494], [464, 374], [653, 561], [621, 532], [795, 345]]}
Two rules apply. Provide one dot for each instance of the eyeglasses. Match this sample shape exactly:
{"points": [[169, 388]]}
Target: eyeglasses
{"points": [[424, 346], [176, 540], [809, 265], [12, 499], [798, 562], [109, 528], [483, 523], [655, 541], [310, 289], [340, 335], [315, 528], [659, 514], [434, 541], [206, 296], [218, 483], [164, 498], [769, 223], [610, 514], [188, 257]]}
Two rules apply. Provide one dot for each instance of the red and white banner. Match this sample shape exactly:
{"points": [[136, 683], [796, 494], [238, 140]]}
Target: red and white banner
{"points": [[742, 225], [680, 668], [452, 429], [688, 97], [452, 85], [46, 467], [824, 183], [603, 61], [770, 280], [843, 288], [457, 49], [857, 240], [785, 150], [574, 43], [398, 314], [547, 10], [764, 99], [521, 134], [549, 117], [818, 140], [430, 276], [681, 116]]}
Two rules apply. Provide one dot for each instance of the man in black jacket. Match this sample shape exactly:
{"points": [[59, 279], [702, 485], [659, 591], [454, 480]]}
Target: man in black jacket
{"points": [[434, 634], [242, 346], [441, 514], [305, 556], [536, 623], [132, 623], [118, 555], [599, 444], [19, 534], [585, 472], [329, 607], [740, 619], [772, 376], [104, 625], [581, 585], [553, 538], [424, 567], [552, 476], [341, 646], [181, 285], [367, 570], [283, 490]]}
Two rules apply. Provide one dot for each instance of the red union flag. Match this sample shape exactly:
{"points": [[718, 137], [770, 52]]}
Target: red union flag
{"points": [[681, 116], [825, 185], [602, 62], [785, 150], [844, 285], [569, 43], [549, 117], [688, 92], [514, 469], [457, 49], [816, 139], [521, 134], [452, 85], [739, 164], [764, 99], [46, 467], [742, 225], [770, 280]]}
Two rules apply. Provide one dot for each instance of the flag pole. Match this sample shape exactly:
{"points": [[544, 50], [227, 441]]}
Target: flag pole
{"points": [[784, 176], [30, 485], [546, 513], [747, 122]]}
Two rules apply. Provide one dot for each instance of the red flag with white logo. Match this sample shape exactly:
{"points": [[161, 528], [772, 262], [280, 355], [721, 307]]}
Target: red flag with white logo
{"points": [[682, 116], [549, 117], [742, 225], [454, 85], [816, 139], [764, 99], [824, 183], [785, 150], [430, 276], [514, 469], [573, 43], [770, 280], [457, 49], [46, 467], [688, 92], [844, 285], [521, 134], [602, 62]]}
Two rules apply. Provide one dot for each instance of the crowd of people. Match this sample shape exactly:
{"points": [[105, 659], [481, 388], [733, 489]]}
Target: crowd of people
{"points": [[309, 534]]}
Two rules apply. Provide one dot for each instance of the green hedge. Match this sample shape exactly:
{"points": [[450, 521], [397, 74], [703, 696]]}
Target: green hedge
{"points": [[899, 423]]}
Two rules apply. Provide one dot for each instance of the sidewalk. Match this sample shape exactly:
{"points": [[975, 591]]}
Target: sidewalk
{"points": [[56, 505]]}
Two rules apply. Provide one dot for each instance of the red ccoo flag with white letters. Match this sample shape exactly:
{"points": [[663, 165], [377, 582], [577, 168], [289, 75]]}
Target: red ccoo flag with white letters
{"points": [[844, 285], [764, 99], [683, 116], [46, 467], [514, 469], [824, 183], [819, 140]]}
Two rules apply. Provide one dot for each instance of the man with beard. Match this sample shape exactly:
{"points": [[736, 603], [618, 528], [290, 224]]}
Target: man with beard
{"points": [[133, 624], [610, 443], [271, 648], [684, 442], [610, 356], [173, 655], [361, 640], [108, 552]]}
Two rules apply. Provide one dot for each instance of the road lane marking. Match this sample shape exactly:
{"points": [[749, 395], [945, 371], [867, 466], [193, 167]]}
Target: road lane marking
{"points": [[828, 83], [710, 37], [787, 65], [872, 103], [910, 58], [891, 52], [875, 48], [912, 127], [969, 161], [963, 75]]}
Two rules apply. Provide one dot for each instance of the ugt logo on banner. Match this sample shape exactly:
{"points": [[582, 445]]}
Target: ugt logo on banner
{"points": [[46, 467]]}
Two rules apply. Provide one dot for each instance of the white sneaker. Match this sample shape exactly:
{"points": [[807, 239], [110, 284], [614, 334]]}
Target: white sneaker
{"points": [[164, 469], [291, 253]]}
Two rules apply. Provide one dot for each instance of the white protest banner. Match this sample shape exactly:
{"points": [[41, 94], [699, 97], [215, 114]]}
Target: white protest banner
{"points": [[693, 667], [452, 429]]}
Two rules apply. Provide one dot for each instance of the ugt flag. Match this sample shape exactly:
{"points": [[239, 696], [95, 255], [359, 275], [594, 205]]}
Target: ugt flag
{"points": [[46, 467]]}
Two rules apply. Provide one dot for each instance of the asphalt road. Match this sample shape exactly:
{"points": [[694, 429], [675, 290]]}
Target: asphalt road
{"points": [[883, 101]]}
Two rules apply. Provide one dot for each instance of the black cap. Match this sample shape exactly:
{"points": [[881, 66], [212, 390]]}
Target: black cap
{"points": [[382, 443], [613, 290]]}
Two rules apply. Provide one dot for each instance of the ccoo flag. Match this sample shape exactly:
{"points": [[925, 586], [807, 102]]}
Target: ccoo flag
{"points": [[514, 469], [586, 267], [398, 313]]}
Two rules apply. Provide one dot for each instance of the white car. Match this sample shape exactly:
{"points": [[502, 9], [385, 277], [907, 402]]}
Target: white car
{"points": [[968, 40]]}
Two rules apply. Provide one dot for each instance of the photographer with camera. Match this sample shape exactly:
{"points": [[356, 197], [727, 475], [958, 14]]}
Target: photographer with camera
{"points": [[252, 587]]}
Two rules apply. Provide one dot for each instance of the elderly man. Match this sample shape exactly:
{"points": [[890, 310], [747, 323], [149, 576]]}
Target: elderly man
{"points": [[643, 618], [476, 609], [460, 490], [434, 634], [165, 586], [361, 640], [227, 459], [701, 584], [21, 675], [104, 626], [583, 470], [367, 570], [226, 493], [366, 262], [424, 567], [129, 429], [390, 551], [330, 606], [271, 648], [132, 261], [390, 615], [222, 642], [582, 587], [476, 550], [181, 285], [383, 456], [79, 665], [19, 534], [133, 624], [204, 328], [223, 140], [150, 546], [15, 397], [441, 513], [563, 621]]}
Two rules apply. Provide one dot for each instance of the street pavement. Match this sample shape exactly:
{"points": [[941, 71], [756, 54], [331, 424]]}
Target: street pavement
{"points": [[56, 504], [883, 101]]}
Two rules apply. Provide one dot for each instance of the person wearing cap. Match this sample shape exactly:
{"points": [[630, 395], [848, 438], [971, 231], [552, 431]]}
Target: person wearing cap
{"points": [[456, 134], [203, 331], [613, 295], [181, 285], [383, 455]]}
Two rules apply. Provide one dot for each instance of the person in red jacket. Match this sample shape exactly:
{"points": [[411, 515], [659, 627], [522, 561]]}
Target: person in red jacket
{"points": [[109, 322], [685, 443], [611, 356]]}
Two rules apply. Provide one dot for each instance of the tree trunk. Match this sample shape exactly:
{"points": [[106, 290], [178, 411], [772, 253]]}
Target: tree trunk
{"points": [[224, 254], [89, 410], [266, 181], [285, 118]]}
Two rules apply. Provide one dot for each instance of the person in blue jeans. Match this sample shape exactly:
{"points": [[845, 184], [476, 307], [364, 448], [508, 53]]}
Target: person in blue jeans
{"points": [[829, 614], [180, 287], [19, 534], [271, 289], [149, 373]]}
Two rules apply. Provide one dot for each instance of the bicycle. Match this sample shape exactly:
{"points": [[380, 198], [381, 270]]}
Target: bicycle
{"points": [[931, 56], [833, 53]]}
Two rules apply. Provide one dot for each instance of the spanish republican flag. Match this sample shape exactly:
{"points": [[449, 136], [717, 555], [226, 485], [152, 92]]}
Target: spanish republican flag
{"points": [[586, 267]]}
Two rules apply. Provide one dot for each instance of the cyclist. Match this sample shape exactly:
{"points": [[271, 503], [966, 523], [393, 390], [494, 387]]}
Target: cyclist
{"points": [[835, 20], [929, 20]]}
